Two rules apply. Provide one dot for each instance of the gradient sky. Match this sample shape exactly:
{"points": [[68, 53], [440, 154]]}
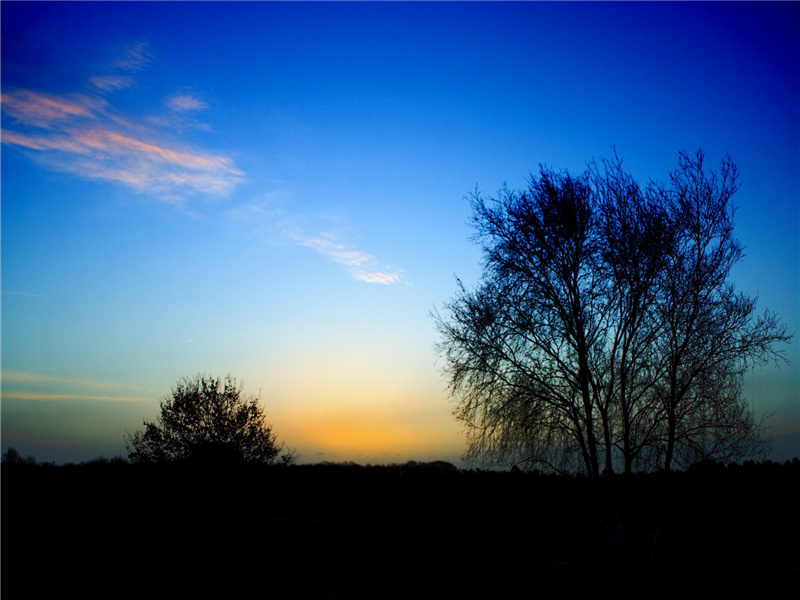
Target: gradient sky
{"points": [[277, 191]]}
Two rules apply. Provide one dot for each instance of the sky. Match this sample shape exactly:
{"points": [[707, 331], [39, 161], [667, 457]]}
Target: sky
{"points": [[277, 191]]}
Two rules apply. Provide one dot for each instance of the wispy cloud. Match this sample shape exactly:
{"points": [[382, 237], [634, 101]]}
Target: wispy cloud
{"points": [[112, 83], [43, 396], [20, 294], [186, 103], [84, 135], [362, 266], [382, 277], [24, 385], [278, 225], [135, 57], [49, 112]]}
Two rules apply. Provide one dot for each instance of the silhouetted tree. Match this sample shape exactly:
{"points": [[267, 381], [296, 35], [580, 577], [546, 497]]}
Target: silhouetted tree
{"points": [[12, 457], [210, 421], [711, 335], [605, 335]]}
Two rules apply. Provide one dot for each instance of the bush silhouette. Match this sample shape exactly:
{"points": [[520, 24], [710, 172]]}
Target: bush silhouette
{"points": [[207, 421]]}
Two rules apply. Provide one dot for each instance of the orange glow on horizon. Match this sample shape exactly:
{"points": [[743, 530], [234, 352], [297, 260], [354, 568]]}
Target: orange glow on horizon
{"points": [[361, 437], [342, 401]]}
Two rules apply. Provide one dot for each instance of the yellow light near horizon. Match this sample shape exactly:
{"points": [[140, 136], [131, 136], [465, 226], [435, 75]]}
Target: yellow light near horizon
{"points": [[346, 404], [353, 433], [354, 439]]}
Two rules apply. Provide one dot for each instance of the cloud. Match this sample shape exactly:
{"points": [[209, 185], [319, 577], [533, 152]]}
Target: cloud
{"points": [[135, 58], [186, 103], [43, 396], [37, 386], [279, 224], [82, 135], [20, 294], [14, 376], [48, 112], [379, 277], [361, 266], [112, 83]]}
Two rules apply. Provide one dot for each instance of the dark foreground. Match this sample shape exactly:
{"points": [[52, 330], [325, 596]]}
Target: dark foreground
{"points": [[417, 531]]}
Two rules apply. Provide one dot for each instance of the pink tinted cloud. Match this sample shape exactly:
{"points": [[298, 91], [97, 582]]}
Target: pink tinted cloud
{"points": [[42, 142], [109, 141], [40, 110], [81, 135]]}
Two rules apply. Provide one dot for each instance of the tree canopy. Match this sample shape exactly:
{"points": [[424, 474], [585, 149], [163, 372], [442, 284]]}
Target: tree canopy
{"points": [[605, 334], [207, 419]]}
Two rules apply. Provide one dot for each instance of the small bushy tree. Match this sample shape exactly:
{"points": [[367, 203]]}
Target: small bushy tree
{"points": [[207, 419]]}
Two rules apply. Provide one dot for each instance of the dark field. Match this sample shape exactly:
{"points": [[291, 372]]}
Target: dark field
{"points": [[418, 531]]}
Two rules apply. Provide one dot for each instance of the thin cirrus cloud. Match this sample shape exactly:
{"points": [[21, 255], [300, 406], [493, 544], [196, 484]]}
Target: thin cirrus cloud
{"points": [[362, 266], [84, 135], [294, 228], [135, 57], [37, 384], [43, 396], [186, 103], [51, 112], [112, 83], [81, 135]]}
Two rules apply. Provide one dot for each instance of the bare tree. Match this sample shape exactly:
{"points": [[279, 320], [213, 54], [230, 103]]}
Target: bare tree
{"points": [[712, 335], [605, 335], [207, 418], [519, 349]]}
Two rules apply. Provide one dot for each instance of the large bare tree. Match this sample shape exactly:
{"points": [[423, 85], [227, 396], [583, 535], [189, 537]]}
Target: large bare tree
{"points": [[605, 335]]}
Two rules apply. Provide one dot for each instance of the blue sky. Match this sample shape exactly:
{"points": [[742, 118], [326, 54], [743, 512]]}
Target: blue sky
{"points": [[277, 191]]}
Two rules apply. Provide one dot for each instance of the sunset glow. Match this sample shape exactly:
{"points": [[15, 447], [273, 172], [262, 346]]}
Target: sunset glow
{"points": [[277, 191]]}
